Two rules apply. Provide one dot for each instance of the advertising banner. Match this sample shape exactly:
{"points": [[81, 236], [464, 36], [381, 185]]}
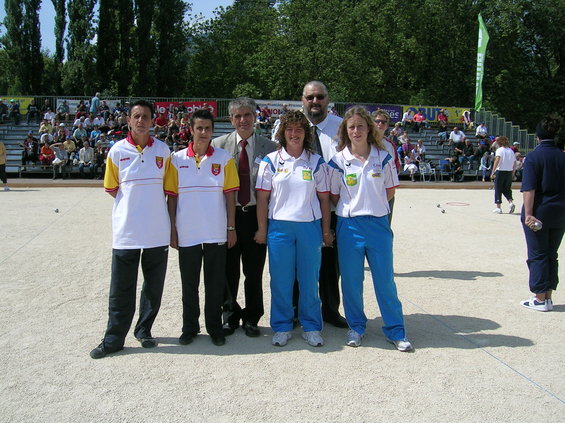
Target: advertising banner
{"points": [[395, 112], [481, 53], [275, 107], [431, 113], [191, 106], [24, 101]]}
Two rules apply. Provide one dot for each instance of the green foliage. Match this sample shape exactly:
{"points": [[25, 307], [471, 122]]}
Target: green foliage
{"points": [[381, 51]]}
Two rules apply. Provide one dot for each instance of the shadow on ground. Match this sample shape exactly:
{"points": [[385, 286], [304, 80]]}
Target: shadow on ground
{"points": [[464, 275]]}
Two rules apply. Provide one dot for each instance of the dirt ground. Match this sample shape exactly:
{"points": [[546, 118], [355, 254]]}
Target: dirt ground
{"points": [[461, 274]]}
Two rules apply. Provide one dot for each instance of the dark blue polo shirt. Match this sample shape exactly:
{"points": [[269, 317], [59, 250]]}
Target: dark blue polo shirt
{"points": [[544, 172]]}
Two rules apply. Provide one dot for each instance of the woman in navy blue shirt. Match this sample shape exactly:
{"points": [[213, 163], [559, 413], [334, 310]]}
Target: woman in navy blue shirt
{"points": [[543, 214]]}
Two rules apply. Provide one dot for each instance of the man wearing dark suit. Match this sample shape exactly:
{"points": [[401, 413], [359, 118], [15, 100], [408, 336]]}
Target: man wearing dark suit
{"points": [[315, 101], [247, 149]]}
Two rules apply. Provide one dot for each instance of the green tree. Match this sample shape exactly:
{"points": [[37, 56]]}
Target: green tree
{"points": [[33, 58], [107, 46], [60, 25], [79, 72], [144, 48]]}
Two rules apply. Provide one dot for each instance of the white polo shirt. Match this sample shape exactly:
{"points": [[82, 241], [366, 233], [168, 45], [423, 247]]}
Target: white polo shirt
{"points": [[456, 137], [362, 186], [294, 184], [201, 187], [140, 218], [327, 132]]}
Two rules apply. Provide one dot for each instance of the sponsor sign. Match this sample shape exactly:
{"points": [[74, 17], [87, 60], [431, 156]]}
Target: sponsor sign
{"points": [[395, 112], [191, 106], [24, 101], [431, 113]]}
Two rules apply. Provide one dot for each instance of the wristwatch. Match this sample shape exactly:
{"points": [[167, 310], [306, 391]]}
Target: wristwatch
{"points": [[231, 228]]}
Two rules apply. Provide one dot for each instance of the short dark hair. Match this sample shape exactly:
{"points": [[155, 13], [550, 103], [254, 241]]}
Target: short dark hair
{"points": [[202, 114], [142, 103]]}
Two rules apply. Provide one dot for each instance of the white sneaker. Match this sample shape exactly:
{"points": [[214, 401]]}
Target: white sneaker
{"points": [[512, 208], [497, 211], [549, 304], [280, 339], [314, 338], [403, 345], [6, 188], [534, 304], [353, 338]]}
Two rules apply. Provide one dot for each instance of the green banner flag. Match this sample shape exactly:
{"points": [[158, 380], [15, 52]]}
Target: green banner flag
{"points": [[481, 53]]}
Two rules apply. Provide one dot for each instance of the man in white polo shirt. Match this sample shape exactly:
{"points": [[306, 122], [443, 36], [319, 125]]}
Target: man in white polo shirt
{"points": [[202, 185], [135, 171], [315, 101]]}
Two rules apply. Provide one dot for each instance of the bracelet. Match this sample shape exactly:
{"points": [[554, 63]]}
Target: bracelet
{"points": [[231, 228]]}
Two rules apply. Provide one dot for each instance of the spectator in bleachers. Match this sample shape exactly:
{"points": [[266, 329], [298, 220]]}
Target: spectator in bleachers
{"points": [[14, 111], [515, 147], [89, 122], [482, 148], [86, 159], [99, 162], [95, 104], [46, 127], [30, 152], [104, 110], [62, 131], [468, 123], [454, 168], [410, 165], [407, 119], [405, 143], [80, 132], [457, 149], [70, 146], [419, 121], [420, 150], [78, 121], [485, 166], [468, 154], [47, 154], [456, 136], [519, 167], [61, 159], [94, 135], [32, 112], [442, 117], [482, 131], [122, 121], [49, 116], [81, 110], [3, 111], [395, 133], [161, 124], [98, 120], [442, 132], [3, 158], [63, 112], [45, 106]]}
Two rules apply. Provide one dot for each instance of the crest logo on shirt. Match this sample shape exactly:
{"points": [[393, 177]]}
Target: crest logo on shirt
{"points": [[159, 162], [351, 179], [307, 174], [216, 168]]}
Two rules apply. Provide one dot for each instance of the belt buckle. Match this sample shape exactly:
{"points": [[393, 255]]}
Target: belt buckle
{"points": [[245, 209]]}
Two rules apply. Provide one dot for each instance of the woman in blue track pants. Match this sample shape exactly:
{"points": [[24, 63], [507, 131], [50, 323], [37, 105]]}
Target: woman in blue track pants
{"points": [[363, 180], [293, 216]]}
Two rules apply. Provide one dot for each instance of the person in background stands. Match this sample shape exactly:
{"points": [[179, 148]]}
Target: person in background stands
{"points": [[3, 158]]}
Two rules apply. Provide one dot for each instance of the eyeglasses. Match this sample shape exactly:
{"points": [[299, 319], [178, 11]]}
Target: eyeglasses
{"points": [[381, 121], [317, 97]]}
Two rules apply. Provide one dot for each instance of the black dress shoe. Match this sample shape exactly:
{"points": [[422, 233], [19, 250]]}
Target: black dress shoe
{"points": [[187, 338], [337, 321], [148, 342], [228, 329], [101, 351], [251, 330], [218, 340]]}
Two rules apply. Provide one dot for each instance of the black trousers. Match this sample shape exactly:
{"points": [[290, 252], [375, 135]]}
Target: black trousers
{"points": [[543, 247], [190, 261], [3, 174], [502, 185], [123, 285], [252, 258]]}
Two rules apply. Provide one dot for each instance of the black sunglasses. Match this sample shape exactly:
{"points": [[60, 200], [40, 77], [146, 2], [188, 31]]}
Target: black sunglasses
{"points": [[317, 97], [381, 121]]}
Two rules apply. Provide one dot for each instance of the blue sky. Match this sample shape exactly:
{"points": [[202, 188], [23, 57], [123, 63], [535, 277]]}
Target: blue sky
{"points": [[47, 13]]}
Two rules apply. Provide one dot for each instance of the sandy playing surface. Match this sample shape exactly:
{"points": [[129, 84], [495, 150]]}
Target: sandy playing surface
{"points": [[479, 357]]}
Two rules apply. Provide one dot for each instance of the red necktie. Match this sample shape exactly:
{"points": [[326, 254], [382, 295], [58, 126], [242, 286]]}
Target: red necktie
{"points": [[243, 195]]}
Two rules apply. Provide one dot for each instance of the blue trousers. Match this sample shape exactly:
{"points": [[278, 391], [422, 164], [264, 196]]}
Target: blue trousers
{"points": [[371, 237], [542, 257], [295, 251]]}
